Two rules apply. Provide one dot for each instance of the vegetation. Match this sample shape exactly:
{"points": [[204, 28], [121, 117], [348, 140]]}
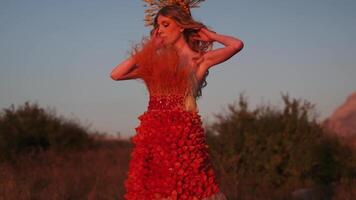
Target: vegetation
{"points": [[30, 129], [261, 153], [268, 153]]}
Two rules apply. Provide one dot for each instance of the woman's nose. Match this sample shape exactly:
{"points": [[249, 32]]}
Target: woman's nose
{"points": [[159, 31]]}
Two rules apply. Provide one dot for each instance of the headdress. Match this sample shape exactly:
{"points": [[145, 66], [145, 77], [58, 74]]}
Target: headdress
{"points": [[155, 5]]}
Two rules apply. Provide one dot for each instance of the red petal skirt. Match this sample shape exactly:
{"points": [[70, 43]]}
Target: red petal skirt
{"points": [[170, 158]]}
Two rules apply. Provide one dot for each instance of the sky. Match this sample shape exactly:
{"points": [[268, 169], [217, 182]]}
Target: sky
{"points": [[59, 54]]}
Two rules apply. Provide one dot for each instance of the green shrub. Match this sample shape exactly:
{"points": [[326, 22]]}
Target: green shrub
{"points": [[274, 151], [30, 128]]}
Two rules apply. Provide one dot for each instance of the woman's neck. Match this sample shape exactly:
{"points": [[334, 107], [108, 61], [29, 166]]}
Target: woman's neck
{"points": [[182, 46]]}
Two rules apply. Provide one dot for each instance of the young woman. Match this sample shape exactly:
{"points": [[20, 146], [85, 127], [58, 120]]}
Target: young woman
{"points": [[170, 159]]}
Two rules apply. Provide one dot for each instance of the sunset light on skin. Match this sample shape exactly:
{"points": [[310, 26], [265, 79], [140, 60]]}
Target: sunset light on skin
{"points": [[60, 54]]}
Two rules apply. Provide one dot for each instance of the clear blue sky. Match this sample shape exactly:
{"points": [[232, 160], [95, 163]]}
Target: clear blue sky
{"points": [[59, 54]]}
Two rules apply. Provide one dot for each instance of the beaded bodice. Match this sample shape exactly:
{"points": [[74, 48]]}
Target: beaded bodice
{"points": [[171, 82]]}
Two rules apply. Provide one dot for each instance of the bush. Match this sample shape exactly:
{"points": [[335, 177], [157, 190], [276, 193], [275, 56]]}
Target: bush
{"points": [[30, 128], [268, 152]]}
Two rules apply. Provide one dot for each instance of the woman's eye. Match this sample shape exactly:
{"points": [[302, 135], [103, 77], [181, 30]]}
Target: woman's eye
{"points": [[165, 24]]}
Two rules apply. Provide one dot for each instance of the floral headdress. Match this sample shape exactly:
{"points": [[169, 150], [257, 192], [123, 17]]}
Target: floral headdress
{"points": [[155, 5]]}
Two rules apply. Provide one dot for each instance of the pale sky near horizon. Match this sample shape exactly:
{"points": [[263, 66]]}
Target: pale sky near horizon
{"points": [[59, 54]]}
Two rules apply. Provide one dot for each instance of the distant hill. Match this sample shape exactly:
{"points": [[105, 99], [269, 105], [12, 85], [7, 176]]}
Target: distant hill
{"points": [[343, 120]]}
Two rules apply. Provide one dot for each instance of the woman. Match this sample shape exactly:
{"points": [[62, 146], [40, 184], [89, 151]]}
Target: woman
{"points": [[170, 159]]}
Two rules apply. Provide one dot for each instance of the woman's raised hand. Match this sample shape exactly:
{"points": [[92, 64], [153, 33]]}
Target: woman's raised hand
{"points": [[205, 35], [155, 38]]}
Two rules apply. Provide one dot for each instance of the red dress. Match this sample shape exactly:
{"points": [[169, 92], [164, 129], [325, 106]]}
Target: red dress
{"points": [[170, 159]]}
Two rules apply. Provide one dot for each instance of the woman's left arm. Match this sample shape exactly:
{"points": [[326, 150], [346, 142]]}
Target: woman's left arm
{"points": [[216, 56]]}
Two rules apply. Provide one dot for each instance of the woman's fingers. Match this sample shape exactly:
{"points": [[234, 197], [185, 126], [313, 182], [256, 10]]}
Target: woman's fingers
{"points": [[205, 31], [156, 39], [155, 32], [200, 38], [203, 35]]}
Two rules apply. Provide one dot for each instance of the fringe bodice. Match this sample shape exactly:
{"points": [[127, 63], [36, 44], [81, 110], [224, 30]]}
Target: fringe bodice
{"points": [[165, 74]]}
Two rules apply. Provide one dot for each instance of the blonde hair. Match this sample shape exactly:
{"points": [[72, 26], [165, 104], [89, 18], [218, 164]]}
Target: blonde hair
{"points": [[191, 28]]}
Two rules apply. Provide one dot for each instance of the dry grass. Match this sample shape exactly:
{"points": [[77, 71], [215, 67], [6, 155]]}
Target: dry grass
{"points": [[345, 190], [91, 174], [99, 174]]}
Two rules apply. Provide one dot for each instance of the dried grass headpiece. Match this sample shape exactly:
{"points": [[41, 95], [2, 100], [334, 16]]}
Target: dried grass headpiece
{"points": [[155, 5]]}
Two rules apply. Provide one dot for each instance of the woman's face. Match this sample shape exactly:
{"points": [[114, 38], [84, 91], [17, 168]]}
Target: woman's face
{"points": [[168, 29]]}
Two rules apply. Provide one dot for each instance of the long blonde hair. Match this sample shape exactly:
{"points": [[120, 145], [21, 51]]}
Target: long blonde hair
{"points": [[191, 28]]}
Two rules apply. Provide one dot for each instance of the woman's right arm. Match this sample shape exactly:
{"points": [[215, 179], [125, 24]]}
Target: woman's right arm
{"points": [[128, 68], [125, 70]]}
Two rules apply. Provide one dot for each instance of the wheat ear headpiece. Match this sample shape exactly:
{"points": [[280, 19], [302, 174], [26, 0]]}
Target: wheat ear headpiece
{"points": [[153, 6]]}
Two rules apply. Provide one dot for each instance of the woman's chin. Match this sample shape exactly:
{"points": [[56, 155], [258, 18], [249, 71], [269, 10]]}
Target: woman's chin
{"points": [[166, 41]]}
